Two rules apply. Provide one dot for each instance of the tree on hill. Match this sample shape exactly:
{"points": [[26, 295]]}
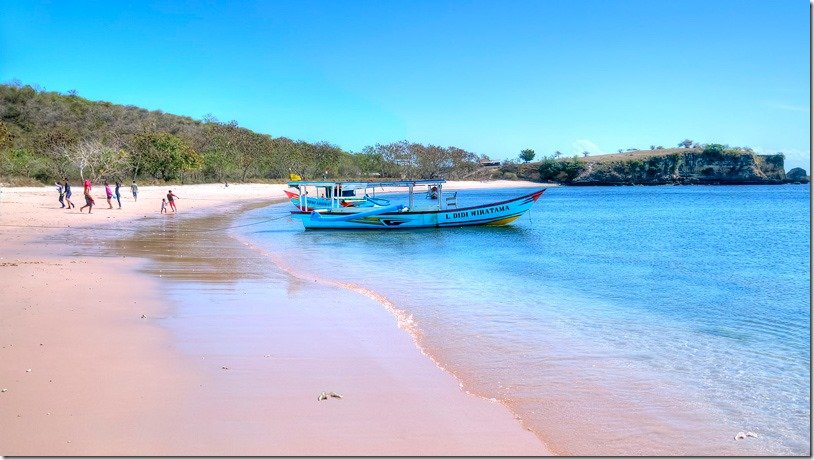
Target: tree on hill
{"points": [[98, 159], [716, 149], [406, 159], [557, 154], [527, 155], [369, 164], [686, 143], [5, 136], [165, 156]]}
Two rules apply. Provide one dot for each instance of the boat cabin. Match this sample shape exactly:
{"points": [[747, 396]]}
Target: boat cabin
{"points": [[338, 194]]}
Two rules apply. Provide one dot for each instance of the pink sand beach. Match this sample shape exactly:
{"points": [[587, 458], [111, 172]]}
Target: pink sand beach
{"points": [[96, 359]]}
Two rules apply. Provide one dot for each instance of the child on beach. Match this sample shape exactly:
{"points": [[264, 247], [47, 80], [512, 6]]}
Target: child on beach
{"points": [[61, 192], [108, 194], [170, 197], [67, 188], [134, 189], [163, 205]]}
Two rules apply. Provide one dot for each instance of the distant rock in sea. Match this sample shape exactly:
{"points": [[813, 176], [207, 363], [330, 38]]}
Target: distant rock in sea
{"points": [[797, 175]]}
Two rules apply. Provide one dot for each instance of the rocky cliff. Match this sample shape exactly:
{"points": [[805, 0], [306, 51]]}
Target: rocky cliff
{"points": [[665, 166], [689, 167]]}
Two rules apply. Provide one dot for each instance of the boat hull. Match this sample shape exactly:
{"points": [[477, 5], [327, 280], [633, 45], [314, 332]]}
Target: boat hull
{"points": [[500, 213]]}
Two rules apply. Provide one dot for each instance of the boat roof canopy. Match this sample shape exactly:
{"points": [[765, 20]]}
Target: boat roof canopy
{"points": [[400, 183]]}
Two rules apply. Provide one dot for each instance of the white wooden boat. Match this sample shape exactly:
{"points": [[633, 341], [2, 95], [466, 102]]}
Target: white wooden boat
{"points": [[443, 213]]}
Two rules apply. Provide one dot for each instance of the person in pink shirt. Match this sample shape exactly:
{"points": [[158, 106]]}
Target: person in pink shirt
{"points": [[108, 194]]}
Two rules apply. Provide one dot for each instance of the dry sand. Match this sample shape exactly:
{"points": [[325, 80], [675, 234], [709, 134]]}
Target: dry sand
{"points": [[89, 367]]}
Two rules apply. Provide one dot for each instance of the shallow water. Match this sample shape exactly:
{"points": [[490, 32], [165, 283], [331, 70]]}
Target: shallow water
{"points": [[611, 320]]}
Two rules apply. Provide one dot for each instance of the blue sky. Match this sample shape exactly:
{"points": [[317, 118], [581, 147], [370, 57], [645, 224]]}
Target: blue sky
{"points": [[492, 77]]}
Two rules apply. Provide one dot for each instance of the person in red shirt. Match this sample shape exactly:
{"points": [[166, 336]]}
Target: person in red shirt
{"points": [[88, 199], [171, 199]]}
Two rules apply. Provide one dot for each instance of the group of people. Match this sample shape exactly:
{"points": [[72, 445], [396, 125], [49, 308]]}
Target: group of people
{"points": [[171, 200], [64, 190]]}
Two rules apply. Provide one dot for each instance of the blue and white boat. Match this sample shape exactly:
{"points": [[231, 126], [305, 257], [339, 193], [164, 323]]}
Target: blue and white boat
{"points": [[443, 213], [326, 194]]}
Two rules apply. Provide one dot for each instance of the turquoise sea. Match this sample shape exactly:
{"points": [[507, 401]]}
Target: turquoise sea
{"points": [[610, 320]]}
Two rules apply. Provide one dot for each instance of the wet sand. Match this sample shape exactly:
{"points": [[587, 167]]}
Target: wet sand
{"points": [[178, 340]]}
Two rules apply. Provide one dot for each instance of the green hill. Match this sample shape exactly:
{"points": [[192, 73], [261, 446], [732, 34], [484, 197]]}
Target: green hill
{"points": [[47, 135]]}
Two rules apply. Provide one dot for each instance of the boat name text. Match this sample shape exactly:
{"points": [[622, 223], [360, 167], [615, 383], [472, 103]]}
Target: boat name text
{"points": [[478, 212]]}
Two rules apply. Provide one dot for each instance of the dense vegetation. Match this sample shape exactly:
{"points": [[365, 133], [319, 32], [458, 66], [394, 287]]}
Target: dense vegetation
{"points": [[47, 135]]}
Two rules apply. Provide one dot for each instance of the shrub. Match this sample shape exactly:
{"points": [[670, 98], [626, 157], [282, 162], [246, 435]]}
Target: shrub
{"points": [[714, 149], [548, 169], [562, 170]]}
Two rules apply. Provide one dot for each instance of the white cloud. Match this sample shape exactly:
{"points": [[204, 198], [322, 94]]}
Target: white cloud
{"points": [[789, 107], [584, 145]]}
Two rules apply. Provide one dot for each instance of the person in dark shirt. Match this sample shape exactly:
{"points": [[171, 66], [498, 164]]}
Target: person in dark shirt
{"points": [[118, 193], [66, 187]]}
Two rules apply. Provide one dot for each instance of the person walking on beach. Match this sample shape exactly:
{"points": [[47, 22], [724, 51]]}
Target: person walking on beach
{"points": [[170, 198], [88, 199], [61, 192], [163, 206], [118, 193], [134, 189], [108, 194], [67, 189]]}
